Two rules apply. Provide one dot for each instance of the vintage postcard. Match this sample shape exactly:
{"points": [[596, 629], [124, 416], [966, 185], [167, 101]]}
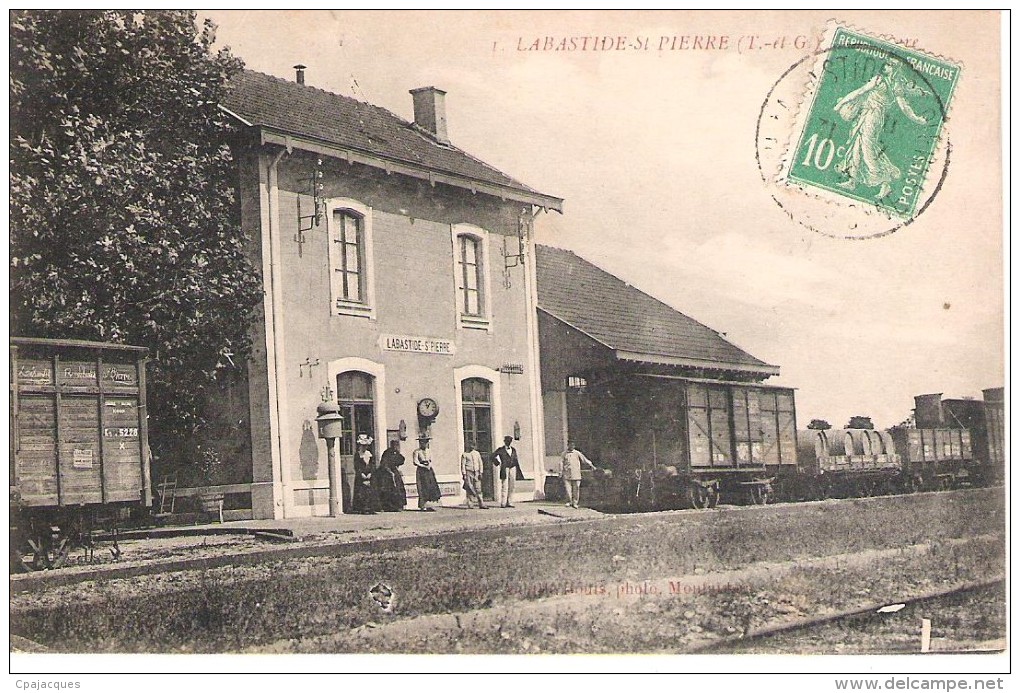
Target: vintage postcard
{"points": [[669, 333]]}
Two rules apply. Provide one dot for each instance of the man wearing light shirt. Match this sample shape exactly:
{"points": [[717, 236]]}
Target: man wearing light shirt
{"points": [[471, 472], [571, 472]]}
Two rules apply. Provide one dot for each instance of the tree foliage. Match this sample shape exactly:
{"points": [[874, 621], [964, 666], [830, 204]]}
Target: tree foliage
{"points": [[125, 220], [861, 422], [819, 425]]}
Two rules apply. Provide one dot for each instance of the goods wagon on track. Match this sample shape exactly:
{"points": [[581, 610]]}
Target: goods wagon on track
{"points": [[79, 444], [688, 442]]}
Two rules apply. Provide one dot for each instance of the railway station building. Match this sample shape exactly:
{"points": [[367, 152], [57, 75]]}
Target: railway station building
{"points": [[399, 276], [639, 386]]}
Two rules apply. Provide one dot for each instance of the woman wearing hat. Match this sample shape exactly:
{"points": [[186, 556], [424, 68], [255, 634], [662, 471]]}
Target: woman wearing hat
{"points": [[366, 500], [428, 487]]}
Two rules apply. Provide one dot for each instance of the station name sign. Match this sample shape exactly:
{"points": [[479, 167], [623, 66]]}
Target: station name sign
{"points": [[416, 345]]}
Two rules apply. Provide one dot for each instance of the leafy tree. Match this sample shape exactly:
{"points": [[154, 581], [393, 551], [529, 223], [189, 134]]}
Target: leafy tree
{"points": [[861, 422], [908, 422], [125, 220], [819, 425]]}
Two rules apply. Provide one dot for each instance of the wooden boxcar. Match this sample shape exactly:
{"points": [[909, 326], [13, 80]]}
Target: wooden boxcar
{"points": [[79, 441], [994, 439], [984, 419], [670, 441], [936, 458]]}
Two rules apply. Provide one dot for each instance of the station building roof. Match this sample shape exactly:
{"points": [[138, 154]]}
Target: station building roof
{"points": [[636, 326], [298, 115]]}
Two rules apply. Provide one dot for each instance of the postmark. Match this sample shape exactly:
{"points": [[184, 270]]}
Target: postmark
{"points": [[852, 140]]}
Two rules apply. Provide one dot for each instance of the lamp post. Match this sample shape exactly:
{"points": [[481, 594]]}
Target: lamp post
{"points": [[330, 428]]}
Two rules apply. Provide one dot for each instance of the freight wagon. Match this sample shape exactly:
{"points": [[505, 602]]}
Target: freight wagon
{"points": [[847, 462], [79, 443], [955, 443], [667, 442], [994, 438], [985, 421]]}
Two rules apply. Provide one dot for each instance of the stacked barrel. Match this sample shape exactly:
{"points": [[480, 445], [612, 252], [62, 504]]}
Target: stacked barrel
{"points": [[850, 461], [850, 449]]}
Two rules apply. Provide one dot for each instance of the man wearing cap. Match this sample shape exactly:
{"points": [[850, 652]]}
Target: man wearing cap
{"points": [[505, 458]]}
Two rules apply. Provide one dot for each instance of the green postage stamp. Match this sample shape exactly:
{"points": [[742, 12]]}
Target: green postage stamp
{"points": [[871, 123]]}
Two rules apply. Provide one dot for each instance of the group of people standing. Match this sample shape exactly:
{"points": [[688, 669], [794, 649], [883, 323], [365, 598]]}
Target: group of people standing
{"points": [[380, 488]]}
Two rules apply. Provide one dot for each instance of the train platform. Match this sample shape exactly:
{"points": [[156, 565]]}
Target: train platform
{"points": [[413, 522]]}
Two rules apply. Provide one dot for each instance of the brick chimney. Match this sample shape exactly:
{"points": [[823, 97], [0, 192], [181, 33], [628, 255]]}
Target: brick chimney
{"points": [[300, 70], [430, 112]]}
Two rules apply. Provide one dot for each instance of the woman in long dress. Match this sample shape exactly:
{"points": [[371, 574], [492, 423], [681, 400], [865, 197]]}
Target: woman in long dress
{"points": [[428, 487], [867, 108], [366, 499], [392, 494]]}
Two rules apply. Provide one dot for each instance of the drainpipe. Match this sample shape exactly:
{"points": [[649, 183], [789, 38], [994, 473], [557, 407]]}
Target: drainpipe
{"points": [[273, 228], [537, 420]]}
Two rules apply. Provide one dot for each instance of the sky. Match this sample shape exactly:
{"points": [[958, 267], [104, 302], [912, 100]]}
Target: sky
{"points": [[653, 150]]}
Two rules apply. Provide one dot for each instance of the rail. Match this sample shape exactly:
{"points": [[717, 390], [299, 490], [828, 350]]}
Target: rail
{"points": [[871, 609]]}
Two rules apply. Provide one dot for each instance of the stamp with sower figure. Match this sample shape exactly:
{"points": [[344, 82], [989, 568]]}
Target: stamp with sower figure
{"points": [[875, 118], [868, 135]]}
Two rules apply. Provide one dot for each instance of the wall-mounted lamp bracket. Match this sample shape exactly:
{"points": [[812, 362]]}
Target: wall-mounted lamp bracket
{"points": [[307, 222], [309, 364], [511, 259]]}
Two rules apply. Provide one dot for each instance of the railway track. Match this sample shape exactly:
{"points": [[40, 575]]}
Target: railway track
{"points": [[797, 560], [52, 578], [870, 611]]}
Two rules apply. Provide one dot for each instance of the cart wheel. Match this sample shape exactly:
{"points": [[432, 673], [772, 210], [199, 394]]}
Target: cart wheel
{"points": [[698, 497], [713, 497], [761, 494], [39, 553], [46, 550]]}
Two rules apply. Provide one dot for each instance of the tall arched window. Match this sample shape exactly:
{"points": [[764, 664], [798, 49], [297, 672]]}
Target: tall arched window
{"points": [[471, 258], [349, 227], [470, 277], [349, 270], [356, 395]]}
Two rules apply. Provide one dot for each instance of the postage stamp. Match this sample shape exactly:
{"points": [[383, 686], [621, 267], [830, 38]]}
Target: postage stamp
{"points": [[875, 115]]}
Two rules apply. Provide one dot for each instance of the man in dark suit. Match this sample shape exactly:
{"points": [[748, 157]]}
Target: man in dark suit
{"points": [[505, 458]]}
